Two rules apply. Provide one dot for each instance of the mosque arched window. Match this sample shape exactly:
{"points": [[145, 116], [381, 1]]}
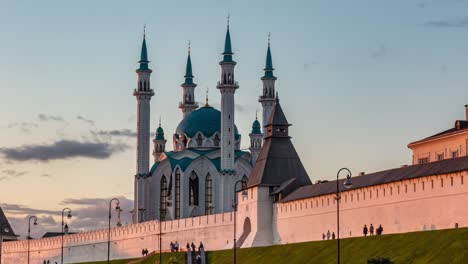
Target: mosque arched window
{"points": [[208, 195], [193, 189], [177, 194], [163, 195], [199, 140], [216, 140]]}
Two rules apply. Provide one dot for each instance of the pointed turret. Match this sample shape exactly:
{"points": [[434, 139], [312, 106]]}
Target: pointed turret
{"points": [[227, 47], [188, 103], [256, 137], [144, 56], [267, 99], [159, 143], [269, 64]]}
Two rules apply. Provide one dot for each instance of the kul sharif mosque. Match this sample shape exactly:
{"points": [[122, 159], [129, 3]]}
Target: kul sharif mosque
{"points": [[198, 176]]}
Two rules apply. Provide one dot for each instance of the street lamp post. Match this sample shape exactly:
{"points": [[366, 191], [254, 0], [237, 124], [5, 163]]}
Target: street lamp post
{"points": [[234, 205], [347, 183], [69, 216], [4, 229], [117, 208], [162, 216], [29, 230]]}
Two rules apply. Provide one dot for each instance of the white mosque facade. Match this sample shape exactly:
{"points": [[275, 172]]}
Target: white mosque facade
{"points": [[198, 176]]}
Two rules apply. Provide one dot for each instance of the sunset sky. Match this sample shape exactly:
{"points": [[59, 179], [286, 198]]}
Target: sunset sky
{"points": [[358, 80]]}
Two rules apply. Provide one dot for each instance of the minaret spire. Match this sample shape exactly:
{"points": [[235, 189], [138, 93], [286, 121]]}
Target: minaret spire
{"points": [[227, 86], [267, 99], [188, 103], [143, 94]]}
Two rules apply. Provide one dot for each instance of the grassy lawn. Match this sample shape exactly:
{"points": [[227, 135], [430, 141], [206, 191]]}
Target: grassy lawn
{"points": [[430, 247]]}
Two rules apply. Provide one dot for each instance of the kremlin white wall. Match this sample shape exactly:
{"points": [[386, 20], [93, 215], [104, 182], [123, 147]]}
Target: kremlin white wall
{"points": [[126, 241], [412, 208], [400, 207]]}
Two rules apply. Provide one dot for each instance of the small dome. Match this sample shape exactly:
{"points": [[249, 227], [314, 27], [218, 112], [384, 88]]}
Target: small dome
{"points": [[206, 120], [159, 133], [256, 128]]}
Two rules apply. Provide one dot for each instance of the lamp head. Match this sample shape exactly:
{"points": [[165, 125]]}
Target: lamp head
{"points": [[35, 221], [69, 216], [117, 207], [348, 183], [6, 229], [244, 193]]}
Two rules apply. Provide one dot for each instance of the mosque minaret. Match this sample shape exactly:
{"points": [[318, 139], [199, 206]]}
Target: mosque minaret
{"points": [[143, 94]]}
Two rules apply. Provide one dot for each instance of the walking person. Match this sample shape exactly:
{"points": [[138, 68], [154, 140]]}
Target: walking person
{"points": [[323, 236], [188, 247], [176, 246], [333, 235], [380, 230], [365, 230], [142, 252], [328, 235], [371, 230]]}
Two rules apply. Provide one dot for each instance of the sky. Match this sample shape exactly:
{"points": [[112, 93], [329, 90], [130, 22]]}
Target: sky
{"points": [[358, 80]]}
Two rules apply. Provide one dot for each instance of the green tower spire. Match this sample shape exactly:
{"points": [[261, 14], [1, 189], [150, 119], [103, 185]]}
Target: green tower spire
{"points": [[188, 69], [227, 46], [269, 62], [144, 54]]}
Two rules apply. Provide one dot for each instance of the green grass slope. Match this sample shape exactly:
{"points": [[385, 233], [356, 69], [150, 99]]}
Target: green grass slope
{"points": [[429, 247]]}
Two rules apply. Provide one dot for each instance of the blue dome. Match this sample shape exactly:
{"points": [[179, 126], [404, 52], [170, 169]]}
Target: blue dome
{"points": [[206, 120]]}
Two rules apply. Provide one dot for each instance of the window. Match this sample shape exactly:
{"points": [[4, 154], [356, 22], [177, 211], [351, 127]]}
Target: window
{"points": [[391, 191], [440, 156], [406, 188], [423, 186], [177, 194], [414, 187], [432, 184], [451, 181], [216, 140], [398, 189], [423, 160], [199, 140], [193, 189], [441, 182], [163, 196], [455, 154], [462, 179], [209, 195]]}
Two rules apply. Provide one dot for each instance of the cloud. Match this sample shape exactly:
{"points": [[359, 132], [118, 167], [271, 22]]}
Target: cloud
{"points": [[453, 23], [46, 175], [87, 214], [85, 120], [24, 127], [116, 133], [380, 52], [48, 118], [63, 149]]}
